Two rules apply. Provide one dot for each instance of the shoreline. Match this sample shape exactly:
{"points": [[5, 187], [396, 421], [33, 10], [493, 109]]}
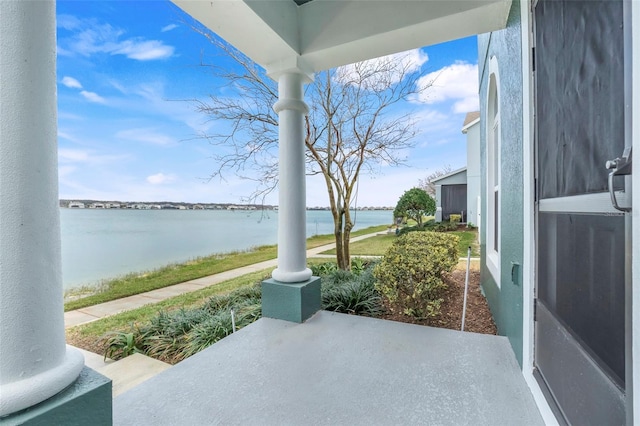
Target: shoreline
{"points": [[176, 273], [103, 245]]}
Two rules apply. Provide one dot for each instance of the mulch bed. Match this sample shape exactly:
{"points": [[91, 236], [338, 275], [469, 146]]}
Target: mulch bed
{"points": [[478, 317]]}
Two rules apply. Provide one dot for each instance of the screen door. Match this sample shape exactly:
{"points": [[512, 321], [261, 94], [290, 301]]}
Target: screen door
{"points": [[583, 242]]}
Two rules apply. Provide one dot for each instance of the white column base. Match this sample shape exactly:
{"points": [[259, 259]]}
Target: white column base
{"points": [[291, 277], [17, 396]]}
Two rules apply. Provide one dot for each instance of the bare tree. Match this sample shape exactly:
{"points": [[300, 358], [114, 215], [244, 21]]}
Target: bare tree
{"points": [[427, 183], [351, 127]]}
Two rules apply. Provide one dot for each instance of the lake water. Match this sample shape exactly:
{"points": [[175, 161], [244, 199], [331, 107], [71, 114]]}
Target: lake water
{"points": [[99, 244]]}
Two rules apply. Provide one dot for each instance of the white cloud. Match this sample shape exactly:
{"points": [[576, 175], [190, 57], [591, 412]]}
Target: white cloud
{"points": [[467, 105], [93, 97], [72, 155], [150, 97], [68, 22], [79, 156], [391, 68], [169, 28], [160, 178], [457, 82], [71, 82], [64, 171], [69, 116], [90, 37], [147, 135], [144, 50]]}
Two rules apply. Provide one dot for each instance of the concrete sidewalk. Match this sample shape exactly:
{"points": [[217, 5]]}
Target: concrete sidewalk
{"points": [[92, 313]]}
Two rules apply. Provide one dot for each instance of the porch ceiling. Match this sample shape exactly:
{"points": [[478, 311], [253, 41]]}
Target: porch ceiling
{"points": [[323, 34], [338, 369]]}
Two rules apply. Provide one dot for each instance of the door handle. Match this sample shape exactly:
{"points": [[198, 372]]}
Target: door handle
{"points": [[620, 166]]}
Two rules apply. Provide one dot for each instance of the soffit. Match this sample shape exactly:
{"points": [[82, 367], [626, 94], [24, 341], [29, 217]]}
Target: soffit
{"points": [[328, 33]]}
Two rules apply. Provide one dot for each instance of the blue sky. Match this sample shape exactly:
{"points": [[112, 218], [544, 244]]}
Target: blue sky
{"points": [[127, 72]]}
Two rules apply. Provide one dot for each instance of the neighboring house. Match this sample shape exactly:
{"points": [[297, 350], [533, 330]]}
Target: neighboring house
{"points": [[451, 195], [458, 192], [556, 254], [471, 128]]}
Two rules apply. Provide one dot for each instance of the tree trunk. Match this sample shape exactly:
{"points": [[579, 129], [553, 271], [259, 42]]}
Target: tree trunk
{"points": [[342, 244], [346, 257]]}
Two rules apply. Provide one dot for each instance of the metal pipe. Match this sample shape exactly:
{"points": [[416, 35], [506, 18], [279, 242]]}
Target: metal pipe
{"points": [[466, 288]]}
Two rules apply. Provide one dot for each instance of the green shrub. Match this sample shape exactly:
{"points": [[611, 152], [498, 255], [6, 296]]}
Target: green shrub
{"points": [[415, 204], [350, 293], [444, 227], [408, 229], [455, 218], [410, 274], [430, 226], [321, 269]]}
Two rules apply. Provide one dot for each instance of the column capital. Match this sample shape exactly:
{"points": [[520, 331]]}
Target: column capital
{"points": [[291, 65]]}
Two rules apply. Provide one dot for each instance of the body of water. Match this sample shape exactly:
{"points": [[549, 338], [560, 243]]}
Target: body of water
{"points": [[99, 244]]}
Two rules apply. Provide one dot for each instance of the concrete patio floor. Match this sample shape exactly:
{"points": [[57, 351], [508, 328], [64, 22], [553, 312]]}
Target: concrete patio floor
{"points": [[338, 369]]}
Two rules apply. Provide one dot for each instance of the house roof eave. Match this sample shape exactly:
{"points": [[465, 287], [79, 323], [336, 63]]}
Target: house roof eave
{"points": [[453, 173]]}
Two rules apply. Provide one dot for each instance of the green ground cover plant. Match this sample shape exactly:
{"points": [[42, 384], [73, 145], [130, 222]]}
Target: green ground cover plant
{"points": [[352, 292], [129, 320], [410, 274], [137, 283], [172, 334]]}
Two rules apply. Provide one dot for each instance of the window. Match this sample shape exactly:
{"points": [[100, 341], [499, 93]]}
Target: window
{"points": [[493, 172]]}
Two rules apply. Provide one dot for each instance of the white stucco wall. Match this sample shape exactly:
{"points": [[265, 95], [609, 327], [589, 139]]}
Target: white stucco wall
{"points": [[473, 174]]}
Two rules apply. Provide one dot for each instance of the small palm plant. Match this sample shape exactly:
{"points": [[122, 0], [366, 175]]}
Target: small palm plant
{"points": [[120, 344]]}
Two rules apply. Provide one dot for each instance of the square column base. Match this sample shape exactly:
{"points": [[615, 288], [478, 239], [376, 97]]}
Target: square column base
{"points": [[295, 302], [87, 401]]}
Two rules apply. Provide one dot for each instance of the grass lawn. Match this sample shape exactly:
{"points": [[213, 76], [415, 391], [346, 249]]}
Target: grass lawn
{"points": [[468, 238], [124, 321], [374, 246], [378, 245], [141, 282]]}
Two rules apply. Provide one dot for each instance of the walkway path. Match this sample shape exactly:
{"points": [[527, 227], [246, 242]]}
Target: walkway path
{"points": [[92, 313]]}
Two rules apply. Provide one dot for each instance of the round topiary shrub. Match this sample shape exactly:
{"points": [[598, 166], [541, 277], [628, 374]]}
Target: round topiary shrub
{"points": [[411, 271]]}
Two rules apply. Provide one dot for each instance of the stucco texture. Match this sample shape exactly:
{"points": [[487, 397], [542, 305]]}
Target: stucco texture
{"points": [[505, 299]]}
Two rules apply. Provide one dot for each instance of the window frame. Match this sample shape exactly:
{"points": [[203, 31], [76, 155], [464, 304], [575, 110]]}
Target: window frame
{"points": [[493, 175]]}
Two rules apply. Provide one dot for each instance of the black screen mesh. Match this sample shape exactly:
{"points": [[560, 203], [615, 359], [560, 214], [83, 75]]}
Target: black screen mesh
{"points": [[580, 95]]}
